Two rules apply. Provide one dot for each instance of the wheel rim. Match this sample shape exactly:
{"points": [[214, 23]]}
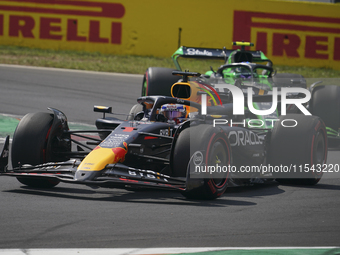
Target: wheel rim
{"points": [[219, 156]]}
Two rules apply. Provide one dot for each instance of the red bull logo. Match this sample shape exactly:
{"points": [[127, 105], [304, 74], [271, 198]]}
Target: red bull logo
{"points": [[97, 159], [119, 153]]}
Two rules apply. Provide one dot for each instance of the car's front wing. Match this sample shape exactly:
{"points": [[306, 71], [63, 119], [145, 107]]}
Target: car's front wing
{"points": [[112, 176]]}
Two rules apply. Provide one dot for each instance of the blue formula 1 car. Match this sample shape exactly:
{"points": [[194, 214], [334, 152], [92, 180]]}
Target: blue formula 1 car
{"points": [[175, 143]]}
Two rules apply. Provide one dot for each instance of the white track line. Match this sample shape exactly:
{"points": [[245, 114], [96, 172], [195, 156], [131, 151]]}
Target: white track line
{"points": [[71, 70], [140, 251]]}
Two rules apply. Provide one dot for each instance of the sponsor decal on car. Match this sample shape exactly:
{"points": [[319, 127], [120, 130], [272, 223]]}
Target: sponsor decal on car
{"points": [[198, 158], [166, 132], [243, 138], [192, 51]]}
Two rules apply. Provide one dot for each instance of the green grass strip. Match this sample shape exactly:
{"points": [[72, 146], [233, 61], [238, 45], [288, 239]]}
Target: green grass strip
{"points": [[8, 125], [296, 251], [95, 61]]}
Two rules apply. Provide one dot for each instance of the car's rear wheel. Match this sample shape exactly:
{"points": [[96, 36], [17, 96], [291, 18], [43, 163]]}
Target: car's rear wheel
{"points": [[29, 146], [298, 152], [325, 103], [203, 146], [157, 81]]}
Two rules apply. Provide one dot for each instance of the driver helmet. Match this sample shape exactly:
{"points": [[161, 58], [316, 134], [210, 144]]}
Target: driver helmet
{"points": [[174, 112], [244, 71]]}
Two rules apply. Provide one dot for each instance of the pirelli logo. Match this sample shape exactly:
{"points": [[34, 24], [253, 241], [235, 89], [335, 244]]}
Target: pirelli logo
{"points": [[82, 21], [294, 36]]}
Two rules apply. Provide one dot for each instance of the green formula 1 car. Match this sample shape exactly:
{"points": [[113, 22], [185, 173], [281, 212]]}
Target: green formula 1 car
{"points": [[244, 69]]}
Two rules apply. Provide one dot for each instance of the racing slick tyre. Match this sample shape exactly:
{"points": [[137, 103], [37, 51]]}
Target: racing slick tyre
{"points": [[325, 103], [137, 108], [157, 81], [289, 80], [29, 145], [298, 149], [208, 146]]}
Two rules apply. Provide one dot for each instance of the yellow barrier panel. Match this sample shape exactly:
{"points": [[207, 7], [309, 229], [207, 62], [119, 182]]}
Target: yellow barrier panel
{"points": [[291, 33]]}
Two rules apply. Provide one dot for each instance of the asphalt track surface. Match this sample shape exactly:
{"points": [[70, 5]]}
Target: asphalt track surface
{"points": [[72, 216]]}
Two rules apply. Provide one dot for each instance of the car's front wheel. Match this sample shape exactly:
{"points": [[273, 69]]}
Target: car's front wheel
{"points": [[29, 146], [203, 147]]}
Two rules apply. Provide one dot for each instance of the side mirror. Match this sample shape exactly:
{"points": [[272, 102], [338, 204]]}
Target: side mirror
{"points": [[103, 109]]}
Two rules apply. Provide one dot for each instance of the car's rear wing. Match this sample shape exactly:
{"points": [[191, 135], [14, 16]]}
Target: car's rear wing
{"points": [[213, 53], [198, 52]]}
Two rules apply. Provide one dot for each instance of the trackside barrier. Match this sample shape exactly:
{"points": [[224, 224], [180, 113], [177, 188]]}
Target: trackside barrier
{"points": [[290, 33]]}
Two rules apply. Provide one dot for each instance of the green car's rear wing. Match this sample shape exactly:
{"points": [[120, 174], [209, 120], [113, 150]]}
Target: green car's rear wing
{"points": [[197, 52], [228, 55]]}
